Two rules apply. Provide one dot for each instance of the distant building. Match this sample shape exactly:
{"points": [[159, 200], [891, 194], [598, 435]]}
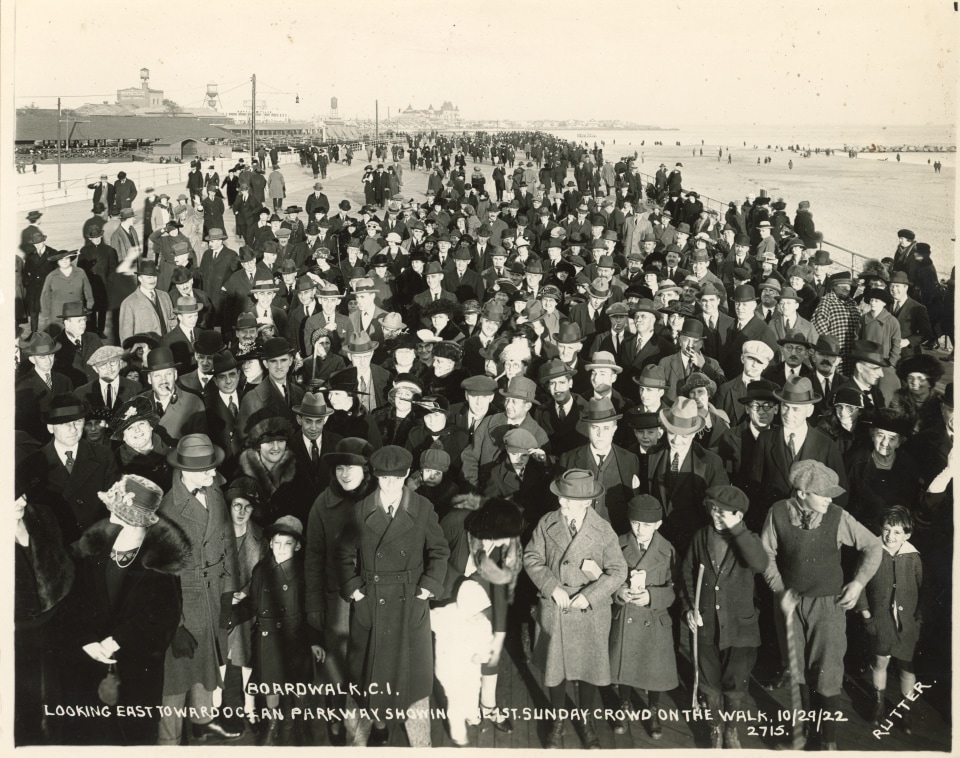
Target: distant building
{"points": [[142, 96], [446, 114], [264, 113]]}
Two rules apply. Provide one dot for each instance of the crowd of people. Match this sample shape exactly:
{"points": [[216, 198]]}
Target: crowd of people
{"points": [[372, 443]]}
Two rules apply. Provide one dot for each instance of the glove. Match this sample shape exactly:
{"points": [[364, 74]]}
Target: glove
{"points": [[184, 644], [226, 610]]}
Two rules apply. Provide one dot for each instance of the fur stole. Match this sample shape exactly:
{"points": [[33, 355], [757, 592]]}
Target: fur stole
{"points": [[269, 481], [49, 559], [165, 548]]}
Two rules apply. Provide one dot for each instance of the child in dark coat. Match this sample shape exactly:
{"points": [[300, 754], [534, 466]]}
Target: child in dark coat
{"points": [[891, 608], [726, 625], [642, 654]]}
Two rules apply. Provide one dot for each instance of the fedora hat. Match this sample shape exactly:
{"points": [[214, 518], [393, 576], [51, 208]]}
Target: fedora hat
{"points": [[134, 500], [264, 285], [360, 342], [216, 234], [521, 388], [576, 484], [599, 289], [599, 410], [789, 293], [223, 361], [798, 390], [692, 328], [744, 294], [827, 344], [651, 376], [195, 452], [305, 284], [822, 258], [553, 369], [64, 408], [868, 352], [160, 358], [73, 309], [603, 359], [682, 417], [899, 277], [208, 342], [187, 305], [759, 389], [313, 405], [392, 321], [569, 333]]}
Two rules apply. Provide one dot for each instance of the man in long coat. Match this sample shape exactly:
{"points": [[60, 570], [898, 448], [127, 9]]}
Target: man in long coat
{"points": [[197, 657], [400, 563]]}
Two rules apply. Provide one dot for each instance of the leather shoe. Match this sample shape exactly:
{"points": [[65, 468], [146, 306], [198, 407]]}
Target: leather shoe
{"points": [[500, 720], [337, 739], [378, 737], [213, 731], [555, 738], [777, 682], [590, 739], [620, 726], [656, 730], [271, 736]]}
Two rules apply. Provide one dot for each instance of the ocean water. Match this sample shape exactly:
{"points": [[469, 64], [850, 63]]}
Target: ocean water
{"points": [[734, 137]]}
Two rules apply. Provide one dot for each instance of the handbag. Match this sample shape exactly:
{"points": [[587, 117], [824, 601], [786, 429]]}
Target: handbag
{"points": [[109, 689]]}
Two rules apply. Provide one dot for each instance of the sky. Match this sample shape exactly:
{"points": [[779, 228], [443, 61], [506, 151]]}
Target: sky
{"points": [[657, 63]]}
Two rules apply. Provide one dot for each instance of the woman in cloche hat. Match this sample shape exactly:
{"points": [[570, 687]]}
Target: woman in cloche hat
{"points": [[125, 609], [576, 563]]}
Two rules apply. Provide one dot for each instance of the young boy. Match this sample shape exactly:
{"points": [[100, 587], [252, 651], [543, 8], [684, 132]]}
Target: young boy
{"points": [[431, 481], [281, 649], [890, 606], [725, 621], [642, 653]]}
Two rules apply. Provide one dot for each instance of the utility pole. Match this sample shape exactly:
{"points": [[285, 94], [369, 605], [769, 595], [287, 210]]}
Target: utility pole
{"points": [[58, 143], [376, 123], [253, 121]]}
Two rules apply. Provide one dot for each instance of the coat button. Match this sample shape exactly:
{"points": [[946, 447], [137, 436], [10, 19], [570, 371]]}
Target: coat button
{"points": [[376, 577], [279, 625], [284, 588], [379, 555], [382, 601], [629, 621], [566, 563], [718, 607], [715, 589], [400, 579], [646, 623], [899, 607], [264, 634]]}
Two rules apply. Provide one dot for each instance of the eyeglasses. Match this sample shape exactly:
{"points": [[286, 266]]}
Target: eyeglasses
{"points": [[762, 406], [241, 508]]}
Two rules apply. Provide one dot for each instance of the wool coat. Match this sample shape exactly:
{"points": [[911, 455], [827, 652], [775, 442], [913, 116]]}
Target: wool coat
{"points": [[251, 548], [727, 604], [211, 571], [137, 314], [566, 645], [394, 559], [612, 504], [895, 596], [641, 641], [488, 442]]}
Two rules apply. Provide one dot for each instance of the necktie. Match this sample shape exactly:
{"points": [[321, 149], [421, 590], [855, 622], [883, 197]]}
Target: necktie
{"points": [[232, 407], [805, 518], [675, 464], [109, 402], [390, 511], [826, 386], [48, 380], [196, 491], [314, 453], [867, 399], [561, 413], [159, 408], [436, 297], [792, 446], [363, 386], [77, 343], [600, 462], [616, 344], [68, 464], [573, 528]]}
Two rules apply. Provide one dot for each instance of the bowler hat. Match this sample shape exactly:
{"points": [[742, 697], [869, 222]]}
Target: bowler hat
{"points": [[275, 347], [682, 417], [195, 452], [637, 418], [822, 258], [391, 460], [134, 500], [73, 309], [182, 275], [645, 509], [726, 497], [744, 294], [576, 484], [692, 328], [158, 359], [798, 390], [223, 361], [216, 234], [289, 526]]}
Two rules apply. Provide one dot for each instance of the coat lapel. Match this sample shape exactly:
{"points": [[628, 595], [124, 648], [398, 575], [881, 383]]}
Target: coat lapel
{"points": [[403, 520]]}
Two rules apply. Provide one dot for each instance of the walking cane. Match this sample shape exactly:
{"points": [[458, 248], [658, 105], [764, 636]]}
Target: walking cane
{"points": [[797, 736], [696, 650]]}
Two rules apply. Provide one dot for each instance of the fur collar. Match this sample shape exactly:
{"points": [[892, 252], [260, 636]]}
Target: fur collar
{"points": [[269, 481], [50, 561], [165, 548], [367, 485]]}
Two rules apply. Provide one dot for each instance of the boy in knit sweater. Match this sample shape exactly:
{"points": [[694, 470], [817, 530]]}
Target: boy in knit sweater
{"points": [[802, 536]]}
